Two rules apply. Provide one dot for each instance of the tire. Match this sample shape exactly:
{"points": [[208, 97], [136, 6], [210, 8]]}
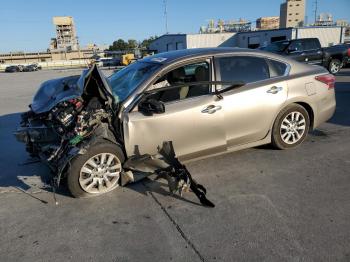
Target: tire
{"points": [[291, 127], [94, 182], [334, 66]]}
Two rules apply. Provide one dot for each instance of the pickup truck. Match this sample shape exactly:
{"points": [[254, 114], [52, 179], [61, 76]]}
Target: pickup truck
{"points": [[309, 50]]}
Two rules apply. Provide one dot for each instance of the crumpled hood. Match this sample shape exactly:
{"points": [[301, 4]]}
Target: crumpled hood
{"points": [[54, 91], [57, 90]]}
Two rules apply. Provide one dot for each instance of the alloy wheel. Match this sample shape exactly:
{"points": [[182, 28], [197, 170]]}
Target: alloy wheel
{"points": [[293, 127], [100, 173], [335, 67]]}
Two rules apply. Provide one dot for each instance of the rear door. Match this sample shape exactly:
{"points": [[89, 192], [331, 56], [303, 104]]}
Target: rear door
{"points": [[193, 117], [313, 52], [306, 50], [250, 110]]}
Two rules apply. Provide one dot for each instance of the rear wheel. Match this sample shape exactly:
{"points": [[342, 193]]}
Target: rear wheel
{"points": [[334, 66], [96, 172], [291, 127]]}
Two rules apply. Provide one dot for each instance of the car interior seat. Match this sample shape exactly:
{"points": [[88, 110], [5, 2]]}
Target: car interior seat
{"points": [[201, 75], [175, 77]]}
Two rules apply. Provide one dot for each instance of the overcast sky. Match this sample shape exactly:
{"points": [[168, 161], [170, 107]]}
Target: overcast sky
{"points": [[27, 25]]}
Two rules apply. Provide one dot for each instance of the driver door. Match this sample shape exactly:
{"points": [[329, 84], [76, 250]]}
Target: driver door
{"points": [[193, 122]]}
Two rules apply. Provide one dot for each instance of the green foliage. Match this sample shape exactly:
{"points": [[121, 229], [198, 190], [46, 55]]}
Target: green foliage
{"points": [[146, 42], [132, 44], [121, 45]]}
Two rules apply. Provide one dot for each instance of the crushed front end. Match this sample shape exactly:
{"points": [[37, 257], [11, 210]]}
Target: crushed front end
{"points": [[65, 119]]}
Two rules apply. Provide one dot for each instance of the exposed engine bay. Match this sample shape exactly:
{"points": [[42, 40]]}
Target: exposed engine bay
{"points": [[57, 134], [48, 135]]}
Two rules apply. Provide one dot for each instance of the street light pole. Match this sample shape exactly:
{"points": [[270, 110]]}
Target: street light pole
{"points": [[166, 16], [316, 3]]}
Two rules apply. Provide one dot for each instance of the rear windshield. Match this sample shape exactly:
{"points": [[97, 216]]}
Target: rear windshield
{"points": [[277, 47]]}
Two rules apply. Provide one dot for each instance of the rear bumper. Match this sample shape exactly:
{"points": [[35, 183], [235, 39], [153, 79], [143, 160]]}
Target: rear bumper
{"points": [[326, 110]]}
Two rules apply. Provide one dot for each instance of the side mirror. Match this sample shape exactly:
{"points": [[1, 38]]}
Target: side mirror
{"points": [[151, 106], [292, 50]]}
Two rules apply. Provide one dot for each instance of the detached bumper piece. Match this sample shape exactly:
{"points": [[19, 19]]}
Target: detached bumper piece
{"points": [[164, 165], [181, 175]]}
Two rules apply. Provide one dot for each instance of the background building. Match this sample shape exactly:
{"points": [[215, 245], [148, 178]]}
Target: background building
{"points": [[66, 38], [328, 36], [342, 22], [324, 19], [266, 23], [292, 13], [221, 26], [171, 42]]}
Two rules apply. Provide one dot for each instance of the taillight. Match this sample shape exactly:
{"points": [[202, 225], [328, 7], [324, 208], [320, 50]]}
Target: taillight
{"points": [[349, 52], [328, 79]]}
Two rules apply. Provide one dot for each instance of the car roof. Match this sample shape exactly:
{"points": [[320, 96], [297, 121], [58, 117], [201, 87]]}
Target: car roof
{"points": [[290, 40], [171, 56]]}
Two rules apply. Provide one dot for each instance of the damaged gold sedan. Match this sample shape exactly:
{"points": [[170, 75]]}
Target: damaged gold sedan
{"points": [[165, 109]]}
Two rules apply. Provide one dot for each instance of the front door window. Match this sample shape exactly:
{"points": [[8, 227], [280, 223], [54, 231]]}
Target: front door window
{"points": [[189, 80]]}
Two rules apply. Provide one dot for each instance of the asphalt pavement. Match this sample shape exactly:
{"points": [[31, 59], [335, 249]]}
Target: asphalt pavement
{"points": [[271, 205]]}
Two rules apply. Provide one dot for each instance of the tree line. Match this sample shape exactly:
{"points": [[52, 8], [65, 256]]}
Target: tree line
{"points": [[121, 44]]}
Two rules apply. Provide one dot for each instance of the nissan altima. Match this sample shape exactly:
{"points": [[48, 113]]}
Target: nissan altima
{"points": [[206, 101]]}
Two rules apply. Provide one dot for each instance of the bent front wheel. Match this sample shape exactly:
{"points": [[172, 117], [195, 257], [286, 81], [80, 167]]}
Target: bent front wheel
{"points": [[96, 172]]}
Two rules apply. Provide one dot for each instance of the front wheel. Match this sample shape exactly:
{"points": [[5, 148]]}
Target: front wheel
{"points": [[96, 172], [334, 66], [291, 127]]}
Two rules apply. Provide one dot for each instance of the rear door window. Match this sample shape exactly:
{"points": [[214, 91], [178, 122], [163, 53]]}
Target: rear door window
{"points": [[311, 44], [296, 46], [242, 69]]}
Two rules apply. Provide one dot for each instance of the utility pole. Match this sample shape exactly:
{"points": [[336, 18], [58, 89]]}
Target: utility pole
{"points": [[166, 16], [315, 11]]}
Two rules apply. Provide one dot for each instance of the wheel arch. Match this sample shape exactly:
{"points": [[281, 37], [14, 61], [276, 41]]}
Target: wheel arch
{"points": [[101, 134], [336, 56], [309, 110], [276, 137], [302, 103]]}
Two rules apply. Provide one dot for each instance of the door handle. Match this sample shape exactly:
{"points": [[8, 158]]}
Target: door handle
{"points": [[274, 89], [211, 109]]}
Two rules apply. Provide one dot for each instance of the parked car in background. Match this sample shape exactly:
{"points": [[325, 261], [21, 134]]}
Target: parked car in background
{"points": [[108, 61], [31, 68], [206, 101], [348, 47], [36, 66], [21, 67], [12, 69], [309, 50]]}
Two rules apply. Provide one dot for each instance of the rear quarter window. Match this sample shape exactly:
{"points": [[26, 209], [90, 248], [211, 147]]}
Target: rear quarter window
{"points": [[277, 68]]}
